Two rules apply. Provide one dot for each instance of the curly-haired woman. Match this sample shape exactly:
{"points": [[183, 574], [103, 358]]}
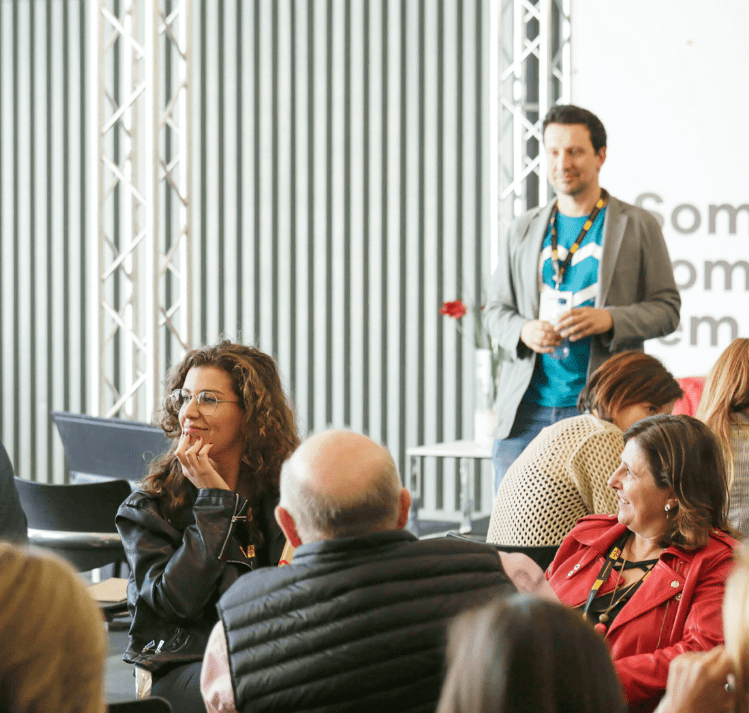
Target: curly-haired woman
{"points": [[204, 514]]}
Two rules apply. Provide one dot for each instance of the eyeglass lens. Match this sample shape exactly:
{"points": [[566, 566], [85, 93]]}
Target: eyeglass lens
{"points": [[206, 400]]}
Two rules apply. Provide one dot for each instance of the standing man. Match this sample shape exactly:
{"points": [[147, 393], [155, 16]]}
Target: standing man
{"points": [[577, 281]]}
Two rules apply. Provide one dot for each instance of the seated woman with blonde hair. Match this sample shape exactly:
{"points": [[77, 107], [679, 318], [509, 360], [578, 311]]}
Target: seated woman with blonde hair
{"points": [[53, 642], [724, 407], [562, 475]]}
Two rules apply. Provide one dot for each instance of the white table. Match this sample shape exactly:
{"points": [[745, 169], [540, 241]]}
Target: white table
{"points": [[465, 452]]}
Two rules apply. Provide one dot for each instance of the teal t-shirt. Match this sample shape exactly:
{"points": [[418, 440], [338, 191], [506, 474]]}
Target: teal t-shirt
{"points": [[558, 382]]}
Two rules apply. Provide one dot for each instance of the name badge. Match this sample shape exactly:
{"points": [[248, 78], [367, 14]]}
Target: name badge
{"points": [[553, 304]]}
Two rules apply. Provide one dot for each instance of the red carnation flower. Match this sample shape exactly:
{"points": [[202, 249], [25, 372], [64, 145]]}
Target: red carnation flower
{"points": [[455, 309]]}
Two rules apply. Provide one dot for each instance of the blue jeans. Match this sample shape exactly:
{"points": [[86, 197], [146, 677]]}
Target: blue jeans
{"points": [[529, 420]]}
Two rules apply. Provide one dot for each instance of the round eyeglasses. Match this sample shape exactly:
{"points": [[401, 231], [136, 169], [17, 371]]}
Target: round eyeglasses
{"points": [[207, 401]]}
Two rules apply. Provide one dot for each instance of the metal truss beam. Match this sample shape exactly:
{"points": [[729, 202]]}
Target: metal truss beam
{"points": [[140, 85], [534, 74]]}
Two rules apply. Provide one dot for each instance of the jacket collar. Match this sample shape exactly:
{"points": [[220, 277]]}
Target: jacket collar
{"points": [[536, 232], [602, 538], [665, 581], [614, 225], [333, 548]]}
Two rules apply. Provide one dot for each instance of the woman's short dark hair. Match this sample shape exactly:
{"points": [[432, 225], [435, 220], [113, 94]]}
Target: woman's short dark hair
{"points": [[683, 454], [520, 654], [270, 429], [626, 379], [571, 114]]}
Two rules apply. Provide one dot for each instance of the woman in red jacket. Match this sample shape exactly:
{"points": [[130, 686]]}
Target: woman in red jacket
{"points": [[652, 577]]}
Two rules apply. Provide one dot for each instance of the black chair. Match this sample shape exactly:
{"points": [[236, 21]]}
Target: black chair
{"points": [[542, 555], [144, 705], [76, 521], [99, 449], [13, 526]]}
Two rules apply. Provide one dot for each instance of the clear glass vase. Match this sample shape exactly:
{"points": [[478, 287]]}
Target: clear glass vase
{"points": [[484, 415]]}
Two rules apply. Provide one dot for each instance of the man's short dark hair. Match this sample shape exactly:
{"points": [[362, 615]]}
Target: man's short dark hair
{"points": [[571, 114]]}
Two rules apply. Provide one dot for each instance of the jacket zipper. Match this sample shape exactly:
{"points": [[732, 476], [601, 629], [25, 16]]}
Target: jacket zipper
{"points": [[665, 613], [234, 519]]}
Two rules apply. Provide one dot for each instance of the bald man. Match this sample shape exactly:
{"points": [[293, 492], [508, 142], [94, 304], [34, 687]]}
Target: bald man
{"points": [[357, 622]]}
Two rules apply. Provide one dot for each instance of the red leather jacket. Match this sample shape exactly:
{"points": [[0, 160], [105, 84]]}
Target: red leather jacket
{"points": [[676, 609]]}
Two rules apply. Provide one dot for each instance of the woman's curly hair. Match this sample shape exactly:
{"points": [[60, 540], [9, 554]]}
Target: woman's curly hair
{"points": [[270, 428]]}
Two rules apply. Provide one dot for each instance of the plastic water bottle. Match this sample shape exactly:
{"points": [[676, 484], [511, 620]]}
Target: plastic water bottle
{"points": [[562, 351]]}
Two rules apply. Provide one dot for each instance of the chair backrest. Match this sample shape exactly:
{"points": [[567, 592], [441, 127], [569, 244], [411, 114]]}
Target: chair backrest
{"points": [[101, 448], [144, 705], [12, 518], [83, 507], [542, 555], [75, 521]]}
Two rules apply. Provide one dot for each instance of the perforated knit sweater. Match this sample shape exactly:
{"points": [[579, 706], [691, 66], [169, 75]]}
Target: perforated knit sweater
{"points": [[560, 477]]}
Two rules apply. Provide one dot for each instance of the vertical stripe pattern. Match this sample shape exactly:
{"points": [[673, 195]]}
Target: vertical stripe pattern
{"points": [[341, 193]]}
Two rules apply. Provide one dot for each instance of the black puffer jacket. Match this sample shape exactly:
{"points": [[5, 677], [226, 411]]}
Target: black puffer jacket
{"points": [[353, 625], [178, 570]]}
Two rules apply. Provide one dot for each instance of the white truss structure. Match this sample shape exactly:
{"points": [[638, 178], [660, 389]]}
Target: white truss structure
{"points": [[140, 82], [534, 74]]}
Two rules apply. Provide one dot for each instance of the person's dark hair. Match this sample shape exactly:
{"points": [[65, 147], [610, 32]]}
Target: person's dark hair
{"points": [[521, 654], [626, 379], [571, 114], [683, 454], [270, 428]]}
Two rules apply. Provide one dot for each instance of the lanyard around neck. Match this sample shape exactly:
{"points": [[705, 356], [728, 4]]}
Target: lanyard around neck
{"points": [[611, 558], [559, 270]]}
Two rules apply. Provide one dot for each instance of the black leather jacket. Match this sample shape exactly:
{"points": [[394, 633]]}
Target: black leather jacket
{"points": [[178, 570]]}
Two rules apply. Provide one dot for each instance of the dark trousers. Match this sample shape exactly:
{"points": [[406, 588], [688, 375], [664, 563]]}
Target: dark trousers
{"points": [[181, 687]]}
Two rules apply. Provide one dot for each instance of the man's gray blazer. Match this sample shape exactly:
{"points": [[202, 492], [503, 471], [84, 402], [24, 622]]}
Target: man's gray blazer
{"points": [[636, 282]]}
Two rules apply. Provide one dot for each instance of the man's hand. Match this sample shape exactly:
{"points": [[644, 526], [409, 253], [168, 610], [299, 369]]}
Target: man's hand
{"points": [[539, 336], [526, 575], [697, 683], [583, 321]]}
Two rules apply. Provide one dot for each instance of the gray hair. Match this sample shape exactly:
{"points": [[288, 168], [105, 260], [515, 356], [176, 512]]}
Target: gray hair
{"points": [[319, 516]]}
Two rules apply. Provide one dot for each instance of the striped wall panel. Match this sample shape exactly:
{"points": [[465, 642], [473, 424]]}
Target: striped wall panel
{"points": [[341, 193], [44, 301]]}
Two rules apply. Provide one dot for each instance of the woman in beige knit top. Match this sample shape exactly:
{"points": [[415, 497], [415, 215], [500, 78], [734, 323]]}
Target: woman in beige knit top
{"points": [[562, 475], [724, 407]]}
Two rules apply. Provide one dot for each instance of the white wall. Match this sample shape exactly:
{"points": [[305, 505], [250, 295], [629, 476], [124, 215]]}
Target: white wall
{"points": [[669, 80]]}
